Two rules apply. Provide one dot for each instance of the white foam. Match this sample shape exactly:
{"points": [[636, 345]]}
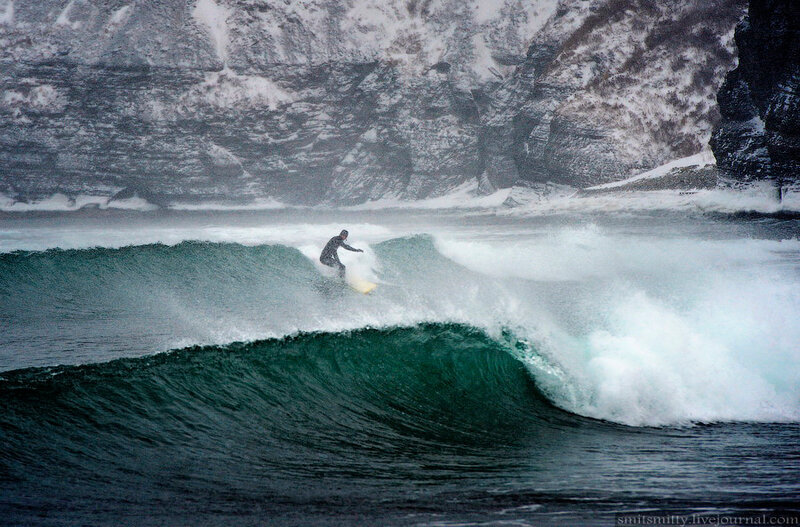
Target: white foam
{"points": [[586, 253], [364, 265], [657, 364], [652, 331]]}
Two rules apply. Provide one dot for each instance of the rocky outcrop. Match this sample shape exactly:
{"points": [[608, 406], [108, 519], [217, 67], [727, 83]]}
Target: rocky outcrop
{"points": [[759, 136], [346, 101]]}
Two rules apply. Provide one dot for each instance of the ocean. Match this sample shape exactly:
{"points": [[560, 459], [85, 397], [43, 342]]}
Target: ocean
{"points": [[201, 367]]}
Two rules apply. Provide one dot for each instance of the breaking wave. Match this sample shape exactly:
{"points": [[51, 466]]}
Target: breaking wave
{"points": [[634, 331]]}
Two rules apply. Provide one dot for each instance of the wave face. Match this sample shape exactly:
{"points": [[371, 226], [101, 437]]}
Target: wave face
{"points": [[387, 426], [309, 424], [635, 330], [352, 403]]}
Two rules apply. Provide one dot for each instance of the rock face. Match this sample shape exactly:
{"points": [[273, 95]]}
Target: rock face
{"points": [[350, 100], [759, 136]]}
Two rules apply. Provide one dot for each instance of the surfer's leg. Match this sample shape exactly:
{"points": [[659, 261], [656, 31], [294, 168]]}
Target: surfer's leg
{"points": [[334, 262]]}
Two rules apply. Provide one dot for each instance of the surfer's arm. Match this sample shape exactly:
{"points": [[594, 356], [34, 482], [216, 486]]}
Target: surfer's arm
{"points": [[344, 245]]}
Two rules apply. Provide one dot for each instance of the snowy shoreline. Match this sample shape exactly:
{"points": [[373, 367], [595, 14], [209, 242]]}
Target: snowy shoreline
{"points": [[683, 184]]}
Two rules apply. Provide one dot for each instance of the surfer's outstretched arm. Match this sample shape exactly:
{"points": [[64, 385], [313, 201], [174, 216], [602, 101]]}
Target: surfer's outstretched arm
{"points": [[352, 248]]}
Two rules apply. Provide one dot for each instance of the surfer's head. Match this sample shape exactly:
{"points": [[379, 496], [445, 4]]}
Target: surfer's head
{"points": [[343, 234]]}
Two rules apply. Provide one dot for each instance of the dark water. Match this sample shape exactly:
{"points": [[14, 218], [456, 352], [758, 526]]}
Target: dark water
{"points": [[417, 425], [491, 379]]}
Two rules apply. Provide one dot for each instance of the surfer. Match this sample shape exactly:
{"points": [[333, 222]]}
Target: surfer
{"points": [[329, 256]]}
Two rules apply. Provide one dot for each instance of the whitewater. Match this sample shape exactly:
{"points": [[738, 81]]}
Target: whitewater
{"points": [[638, 321]]}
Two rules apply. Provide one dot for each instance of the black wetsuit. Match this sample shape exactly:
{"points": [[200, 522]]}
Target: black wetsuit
{"points": [[329, 256]]}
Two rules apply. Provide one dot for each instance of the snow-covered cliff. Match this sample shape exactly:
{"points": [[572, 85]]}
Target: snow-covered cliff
{"points": [[349, 100], [759, 136]]}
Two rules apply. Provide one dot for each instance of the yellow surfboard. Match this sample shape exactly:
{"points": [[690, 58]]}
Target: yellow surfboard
{"points": [[360, 285]]}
